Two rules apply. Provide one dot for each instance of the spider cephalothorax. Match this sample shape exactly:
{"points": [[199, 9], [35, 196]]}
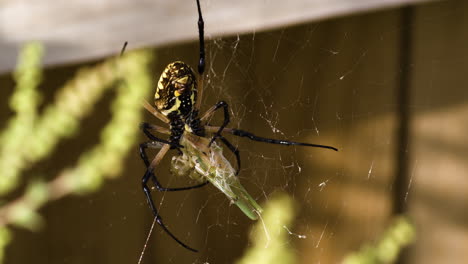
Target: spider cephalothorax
{"points": [[177, 90]]}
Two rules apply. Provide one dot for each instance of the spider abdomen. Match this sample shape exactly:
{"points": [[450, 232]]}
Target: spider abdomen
{"points": [[177, 90]]}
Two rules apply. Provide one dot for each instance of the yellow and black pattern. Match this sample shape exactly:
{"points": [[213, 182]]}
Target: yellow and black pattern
{"points": [[177, 89]]}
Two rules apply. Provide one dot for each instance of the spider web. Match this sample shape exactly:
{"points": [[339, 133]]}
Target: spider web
{"points": [[336, 82], [286, 84]]}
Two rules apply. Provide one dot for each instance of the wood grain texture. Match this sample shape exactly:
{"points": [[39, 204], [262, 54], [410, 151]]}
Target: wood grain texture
{"points": [[437, 195], [80, 30], [332, 82]]}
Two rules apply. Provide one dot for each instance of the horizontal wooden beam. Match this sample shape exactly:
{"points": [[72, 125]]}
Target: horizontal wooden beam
{"points": [[80, 30]]}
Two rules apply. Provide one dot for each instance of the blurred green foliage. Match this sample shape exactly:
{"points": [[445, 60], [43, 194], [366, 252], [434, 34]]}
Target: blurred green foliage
{"points": [[59, 120], [271, 238], [400, 234], [23, 102]]}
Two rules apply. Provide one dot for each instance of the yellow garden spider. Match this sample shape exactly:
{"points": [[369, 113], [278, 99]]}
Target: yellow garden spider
{"points": [[177, 100]]}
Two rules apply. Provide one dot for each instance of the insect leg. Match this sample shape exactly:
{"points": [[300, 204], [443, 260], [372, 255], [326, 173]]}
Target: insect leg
{"points": [[149, 198], [226, 120], [150, 168], [155, 112], [234, 150], [146, 127]]}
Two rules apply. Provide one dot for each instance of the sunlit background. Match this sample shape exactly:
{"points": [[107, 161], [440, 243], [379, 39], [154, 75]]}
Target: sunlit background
{"points": [[383, 81]]}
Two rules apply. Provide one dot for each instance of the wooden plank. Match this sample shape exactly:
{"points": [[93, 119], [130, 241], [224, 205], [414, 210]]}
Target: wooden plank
{"points": [[80, 30], [322, 83], [437, 196]]}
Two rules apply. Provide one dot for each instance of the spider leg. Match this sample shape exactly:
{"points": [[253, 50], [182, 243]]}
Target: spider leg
{"points": [[201, 62], [149, 144], [155, 128], [234, 150], [201, 37], [150, 168], [242, 133], [123, 48], [147, 191], [146, 127], [226, 120], [155, 112]]}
